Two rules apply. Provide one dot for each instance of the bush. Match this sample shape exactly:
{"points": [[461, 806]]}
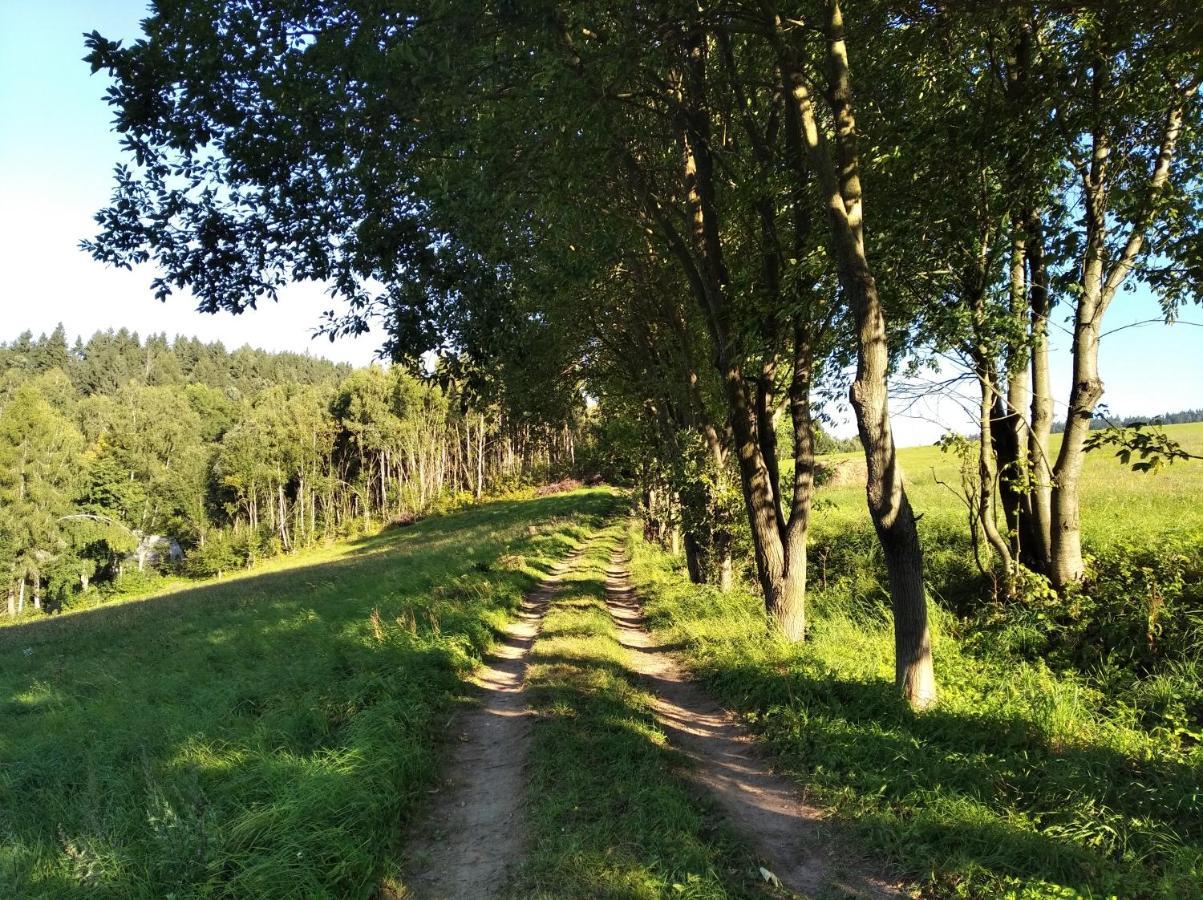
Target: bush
{"points": [[131, 581], [216, 556]]}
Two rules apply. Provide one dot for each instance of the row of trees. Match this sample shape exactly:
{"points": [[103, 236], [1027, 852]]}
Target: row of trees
{"points": [[671, 201], [96, 481]]}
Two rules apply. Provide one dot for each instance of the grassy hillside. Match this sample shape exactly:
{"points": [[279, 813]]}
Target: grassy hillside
{"points": [[264, 736]]}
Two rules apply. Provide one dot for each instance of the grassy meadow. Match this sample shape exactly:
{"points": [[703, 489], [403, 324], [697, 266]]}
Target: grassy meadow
{"points": [[1065, 757], [270, 733], [262, 736], [1119, 506]]}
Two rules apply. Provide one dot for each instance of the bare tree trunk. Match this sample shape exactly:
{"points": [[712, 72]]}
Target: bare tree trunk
{"points": [[21, 597], [889, 506], [1009, 435], [1039, 541], [782, 575], [480, 459], [988, 474], [726, 566], [284, 537], [1097, 288]]}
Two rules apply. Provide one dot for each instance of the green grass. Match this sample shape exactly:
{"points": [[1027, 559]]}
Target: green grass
{"points": [[1115, 500], [610, 816], [261, 736], [1025, 781]]}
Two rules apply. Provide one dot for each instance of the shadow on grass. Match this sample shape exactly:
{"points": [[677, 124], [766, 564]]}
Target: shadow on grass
{"points": [[978, 792]]}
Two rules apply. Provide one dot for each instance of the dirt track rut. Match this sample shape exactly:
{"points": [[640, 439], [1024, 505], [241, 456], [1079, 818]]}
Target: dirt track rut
{"points": [[791, 837], [474, 832]]}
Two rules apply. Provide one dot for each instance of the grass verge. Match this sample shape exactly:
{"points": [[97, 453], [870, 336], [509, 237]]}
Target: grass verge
{"points": [[263, 737], [1024, 781], [609, 814]]}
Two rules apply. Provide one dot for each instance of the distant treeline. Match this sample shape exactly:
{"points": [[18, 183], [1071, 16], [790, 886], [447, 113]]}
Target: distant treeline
{"points": [[1175, 418], [120, 453]]}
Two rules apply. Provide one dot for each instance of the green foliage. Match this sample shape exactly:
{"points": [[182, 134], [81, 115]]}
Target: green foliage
{"points": [[259, 737], [220, 553], [1146, 440], [282, 450]]}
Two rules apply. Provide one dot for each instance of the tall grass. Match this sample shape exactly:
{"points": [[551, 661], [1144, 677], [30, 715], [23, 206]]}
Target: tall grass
{"points": [[263, 737]]}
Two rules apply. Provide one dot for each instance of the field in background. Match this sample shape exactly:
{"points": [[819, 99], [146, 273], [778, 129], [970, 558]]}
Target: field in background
{"points": [[1116, 502], [268, 731]]}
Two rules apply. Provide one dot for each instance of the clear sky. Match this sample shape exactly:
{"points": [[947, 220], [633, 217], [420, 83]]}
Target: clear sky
{"points": [[57, 154]]}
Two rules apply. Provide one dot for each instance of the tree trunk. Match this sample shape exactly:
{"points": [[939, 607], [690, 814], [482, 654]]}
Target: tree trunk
{"points": [[726, 568], [782, 577], [893, 519], [1037, 537], [987, 471], [788, 605], [1009, 432], [1067, 564], [889, 506], [694, 558], [480, 460]]}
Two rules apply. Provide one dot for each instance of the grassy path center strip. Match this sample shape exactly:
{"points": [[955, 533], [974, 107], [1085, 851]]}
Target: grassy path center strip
{"points": [[609, 814]]}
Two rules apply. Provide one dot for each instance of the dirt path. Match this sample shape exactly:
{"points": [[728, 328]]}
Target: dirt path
{"points": [[474, 831], [790, 836]]}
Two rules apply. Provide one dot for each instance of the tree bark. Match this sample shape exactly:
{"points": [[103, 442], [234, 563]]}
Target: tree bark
{"points": [[694, 558], [893, 519], [1038, 545], [1097, 288]]}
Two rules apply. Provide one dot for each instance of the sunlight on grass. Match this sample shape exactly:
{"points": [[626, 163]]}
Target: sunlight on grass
{"points": [[1023, 781], [271, 730], [610, 816]]}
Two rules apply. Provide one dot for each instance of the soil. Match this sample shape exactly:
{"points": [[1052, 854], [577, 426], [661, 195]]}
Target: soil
{"points": [[475, 831], [794, 841]]}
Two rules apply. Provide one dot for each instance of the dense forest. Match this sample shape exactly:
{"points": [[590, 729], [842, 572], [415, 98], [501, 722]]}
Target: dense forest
{"points": [[120, 456]]}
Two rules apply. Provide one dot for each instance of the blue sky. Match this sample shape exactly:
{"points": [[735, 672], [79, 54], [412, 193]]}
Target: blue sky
{"points": [[56, 157]]}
